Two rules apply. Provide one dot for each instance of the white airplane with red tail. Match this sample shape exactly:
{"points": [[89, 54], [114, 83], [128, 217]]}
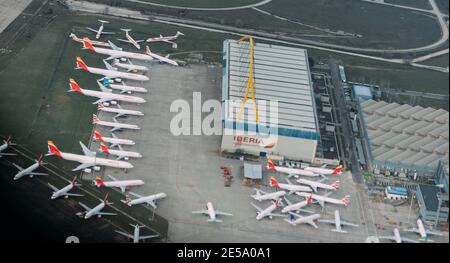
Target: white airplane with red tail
{"points": [[261, 213], [119, 111], [96, 211], [297, 206], [115, 51], [262, 196], [112, 74], [324, 171], [290, 171], [315, 185], [93, 42], [289, 186], [104, 96], [30, 170], [88, 160], [129, 66], [325, 199], [114, 141], [149, 200], [65, 190], [167, 39], [6, 144], [303, 219], [124, 185], [212, 213], [121, 154], [129, 39]]}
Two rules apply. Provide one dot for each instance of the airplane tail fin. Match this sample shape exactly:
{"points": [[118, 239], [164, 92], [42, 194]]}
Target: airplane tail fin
{"points": [[100, 105], [346, 200], [147, 50], [338, 170], [74, 86], [87, 44], [103, 21], [179, 33], [105, 200], [74, 181], [309, 200], [104, 148], [274, 182], [52, 149], [270, 165], [72, 36], [39, 160], [98, 136], [8, 141], [99, 182], [126, 30], [336, 185], [80, 64], [95, 119]]}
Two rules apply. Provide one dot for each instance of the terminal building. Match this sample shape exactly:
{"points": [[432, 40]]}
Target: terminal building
{"points": [[282, 75], [404, 138]]}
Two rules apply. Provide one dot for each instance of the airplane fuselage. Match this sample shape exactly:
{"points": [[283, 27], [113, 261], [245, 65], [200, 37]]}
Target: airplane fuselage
{"points": [[305, 219], [125, 54], [118, 125], [145, 199], [270, 196], [131, 67], [95, 160], [315, 185], [123, 183], [128, 88], [122, 111], [266, 212], [26, 171], [294, 171], [323, 199], [294, 188], [294, 207], [94, 211], [116, 140], [117, 74], [62, 192], [112, 96]]}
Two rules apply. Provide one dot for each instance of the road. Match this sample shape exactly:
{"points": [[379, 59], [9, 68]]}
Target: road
{"points": [[203, 9], [212, 27]]}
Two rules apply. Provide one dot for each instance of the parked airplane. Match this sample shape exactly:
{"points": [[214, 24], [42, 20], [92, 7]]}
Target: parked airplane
{"points": [[113, 74], [119, 111], [289, 186], [422, 231], [129, 66], [212, 213], [129, 39], [290, 171], [324, 171], [136, 237], [167, 39], [114, 141], [100, 29], [303, 219], [115, 51], [87, 160], [30, 170], [124, 185], [261, 195], [398, 238], [93, 42], [97, 211], [338, 222], [65, 190], [6, 144], [324, 199], [261, 213], [103, 96], [122, 87], [318, 184], [149, 200], [115, 125], [160, 58], [121, 154], [297, 206]]}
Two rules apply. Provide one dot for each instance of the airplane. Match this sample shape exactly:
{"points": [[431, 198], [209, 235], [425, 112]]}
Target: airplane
{"points": [[87, 160], [129, 66], [123, 185], [324, 171], [122, 87], [297, 206], [397, 238], [136, 234], [103, 96], [65, 190], [93, 42], [303, 219], [212, 213], [261, 195], [315, 185], [100, 29], [422, 231], [338, 223], [290, 171], [5, 145], [96, 211], [325, 199], [261, 213], [30, 170], [115, 125], [114, 140], [129, 39], [160, 58], [167, 39], [115, 51], [149, 200], [113, 74], [119, 110], [289, 186], [121, 154]]}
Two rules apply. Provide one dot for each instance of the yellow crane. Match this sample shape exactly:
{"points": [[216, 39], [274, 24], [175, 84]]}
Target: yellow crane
{"points": [[251, 82]]}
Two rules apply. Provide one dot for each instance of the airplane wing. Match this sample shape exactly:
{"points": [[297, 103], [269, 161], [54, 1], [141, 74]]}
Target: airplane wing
{"points": [[108, 66], [147, 237], [8, 154], [167, 41], [83, 166], [151, 203], [407, 240], [33, 173], [18, 167], [120, 114], [69, 194], [113, 46], [328, 221], [124, 234], [287, 200], [139, 41], [313, 224], [257, 207], [434, 233], [135, 195], [223, 213], [52, 187], [91, 29], [86, 151], [279, 215], [112, 57], [107, 214], [85, 206], [200, 212], [120, 157], [103, 88], [345, 223], [108, 33], [101, 100], [124, 40], [115, 129]]}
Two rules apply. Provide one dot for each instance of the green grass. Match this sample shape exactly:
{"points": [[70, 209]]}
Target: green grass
{"points": [[423, 4], [443, 5], [204, 3], [441, 61]]}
